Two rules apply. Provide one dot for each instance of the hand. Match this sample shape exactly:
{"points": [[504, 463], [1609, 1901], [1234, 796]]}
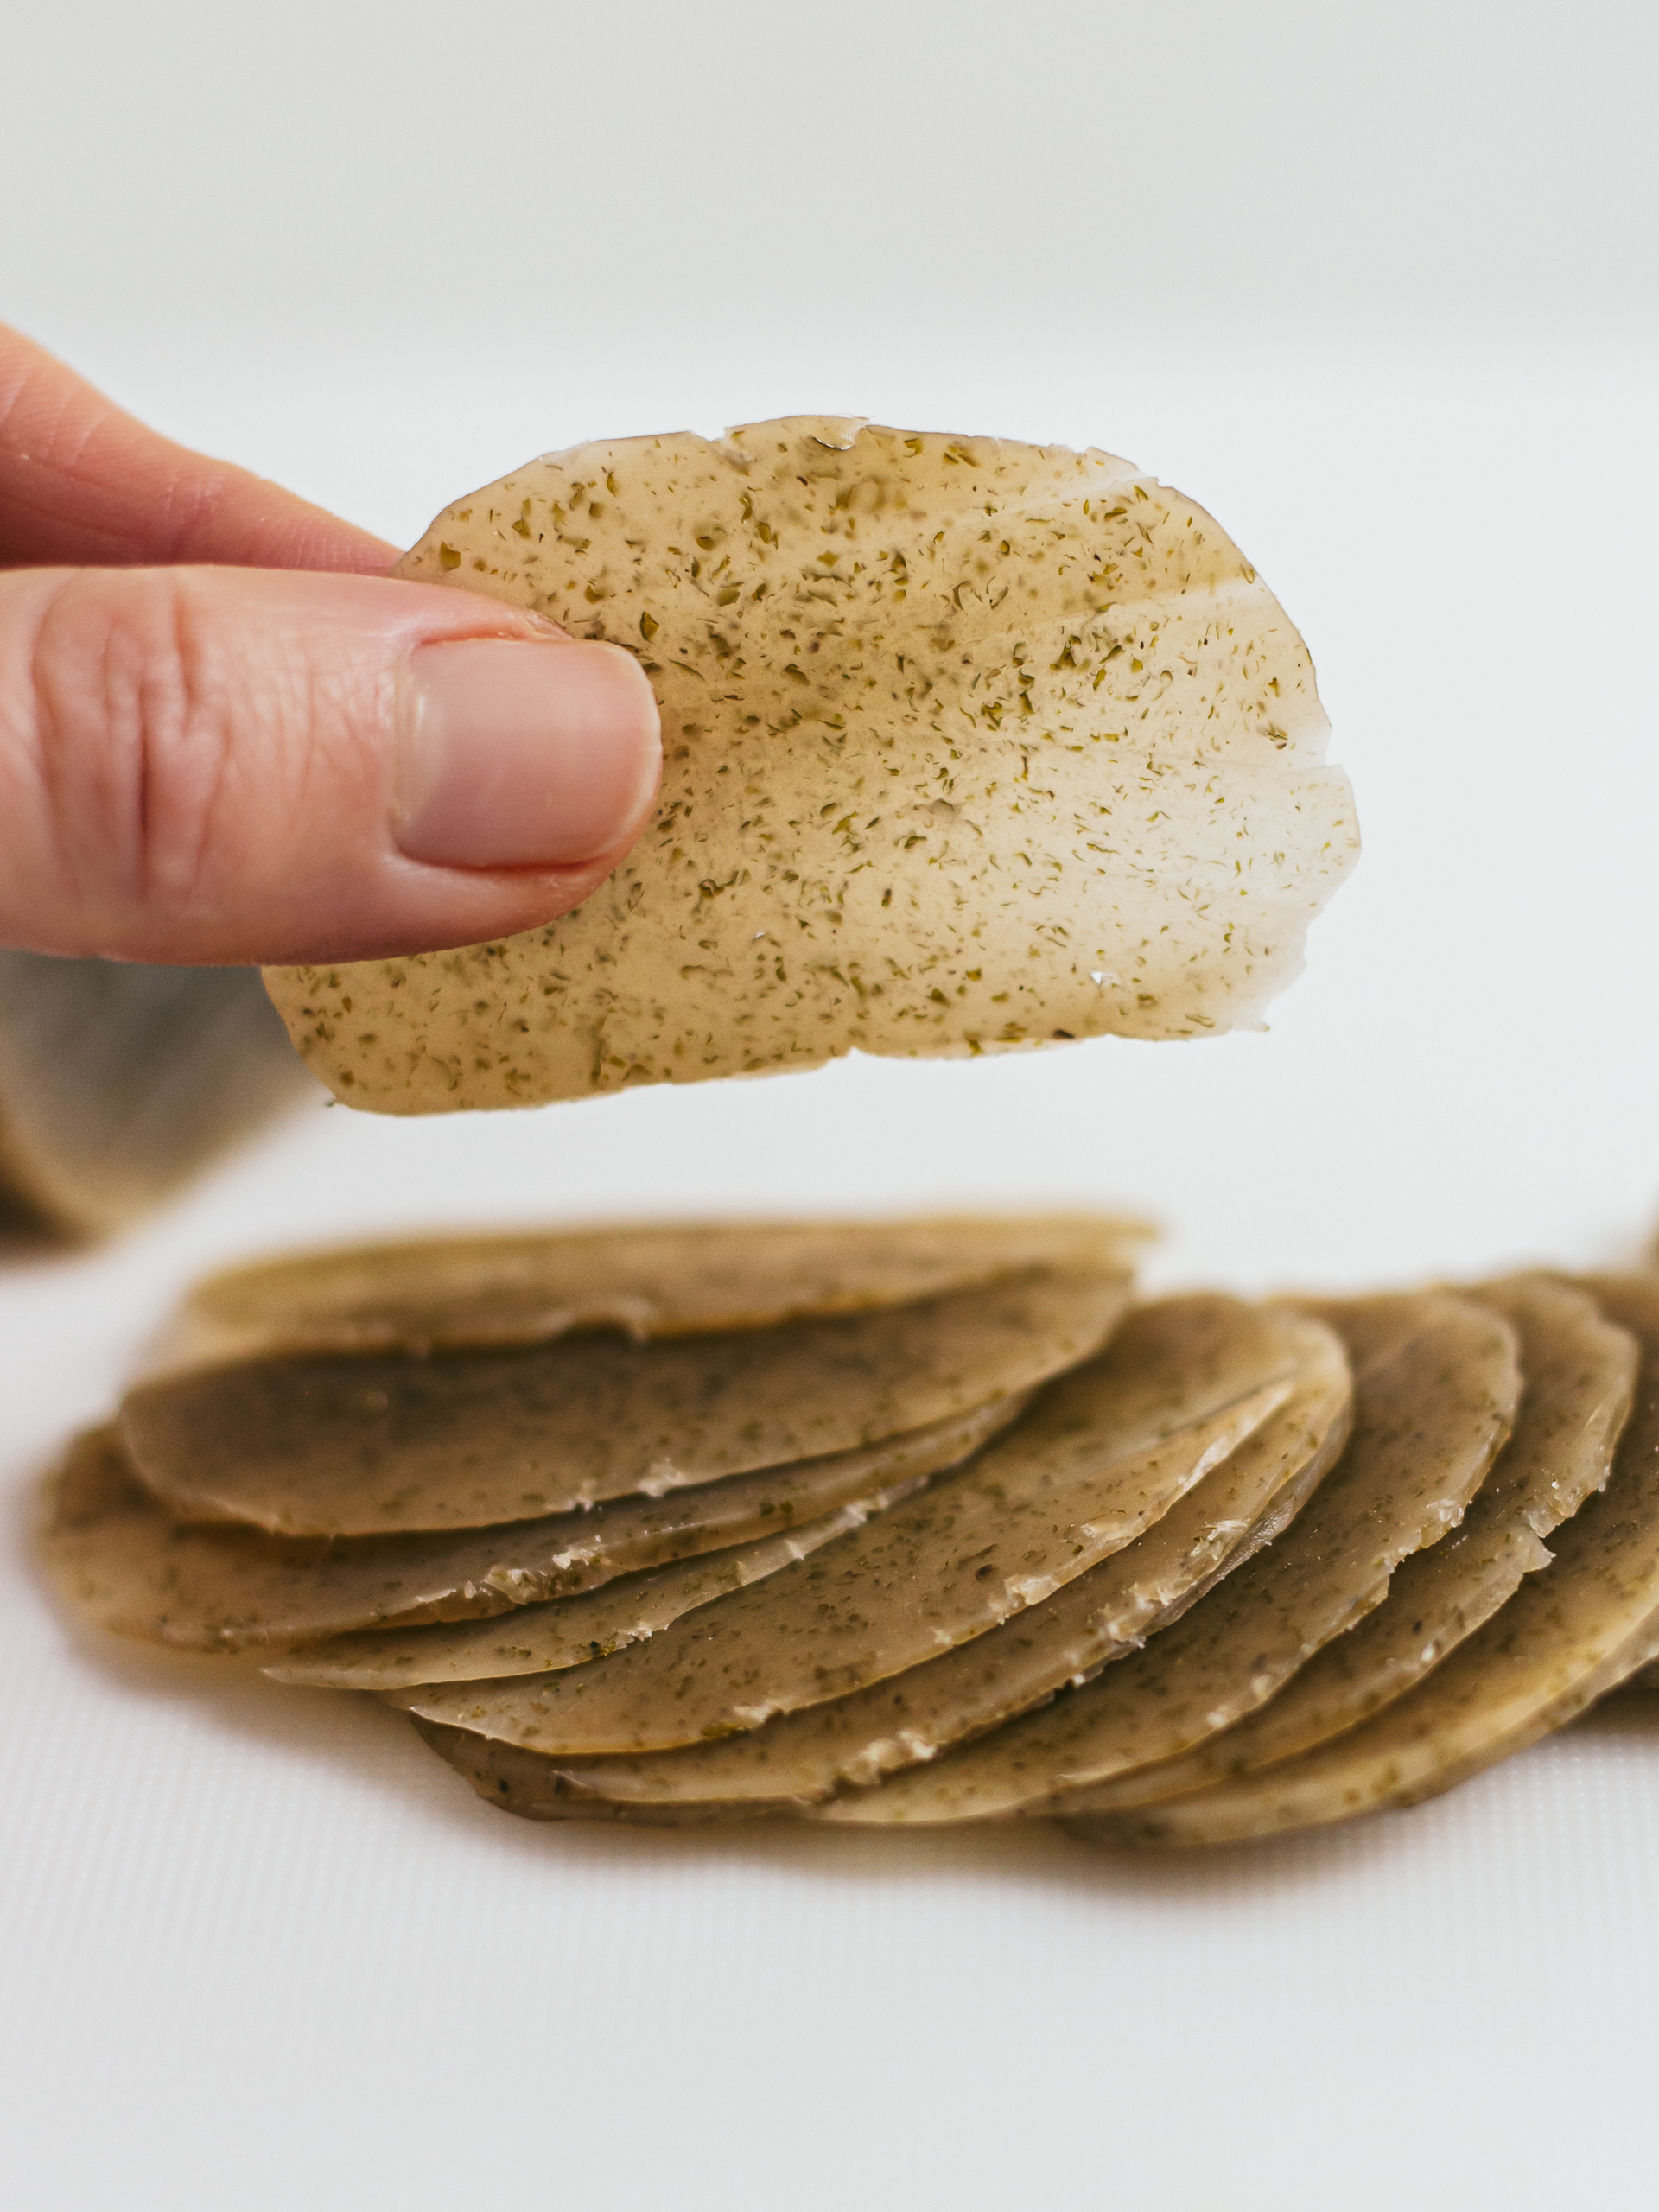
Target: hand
{"points": [[225, 736]]}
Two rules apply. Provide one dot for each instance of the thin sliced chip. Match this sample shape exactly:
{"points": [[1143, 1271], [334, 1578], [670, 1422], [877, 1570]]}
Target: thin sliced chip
{"points": [[369, 1445], [1433, 1404], [120, 1082], [652, 1279], [527, 1783], [1567, 1637], [1096, 1460], [130, 1569], [802, 1758], [1579, 1373], [968, 745], [568, 1631]]}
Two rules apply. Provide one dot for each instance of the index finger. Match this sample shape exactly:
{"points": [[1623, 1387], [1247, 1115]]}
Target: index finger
{"points": [[84, 483]]}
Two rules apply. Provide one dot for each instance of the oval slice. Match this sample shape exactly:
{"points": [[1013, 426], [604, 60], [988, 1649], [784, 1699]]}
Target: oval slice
{"points": [[1434, 1400], [129, 1568], [451, 1293], [1097, 1459], [1579, 1376], [1570, 1634], [802, 1758], [569, 1631], [369, 1445], [968, 745]]}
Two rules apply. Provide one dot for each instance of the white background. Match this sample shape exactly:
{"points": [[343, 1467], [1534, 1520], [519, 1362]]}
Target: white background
{"points": [[1376, 286]]}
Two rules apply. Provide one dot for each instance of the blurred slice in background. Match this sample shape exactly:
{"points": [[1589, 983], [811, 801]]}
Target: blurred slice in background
{"points": [[119, 1082]]}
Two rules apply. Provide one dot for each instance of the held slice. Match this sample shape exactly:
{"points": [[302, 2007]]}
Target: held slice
{"points": [[967, 745]]}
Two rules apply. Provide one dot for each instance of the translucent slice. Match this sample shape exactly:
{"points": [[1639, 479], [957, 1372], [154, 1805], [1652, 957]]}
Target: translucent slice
{"points": [[803, 1757], [469, 1440], [652, 1279], [968, 745], [1095, 1461], [119, 1082], [567, 1631], [1579, 1373], [1433, 1404], [1567, 1637], [127, 1567]]}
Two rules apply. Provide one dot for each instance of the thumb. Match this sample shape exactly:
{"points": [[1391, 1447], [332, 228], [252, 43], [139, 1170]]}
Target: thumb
{"points": [[240, 765]]}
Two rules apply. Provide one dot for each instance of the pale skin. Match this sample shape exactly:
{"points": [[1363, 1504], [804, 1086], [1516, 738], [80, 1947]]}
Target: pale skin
{"points": [[226, 735]]}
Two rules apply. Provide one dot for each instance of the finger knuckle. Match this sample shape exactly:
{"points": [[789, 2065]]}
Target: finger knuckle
{"points": [[137, 725]]}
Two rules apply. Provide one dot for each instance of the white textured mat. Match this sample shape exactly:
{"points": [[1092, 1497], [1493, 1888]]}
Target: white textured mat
{"points": [[262, 1950]]}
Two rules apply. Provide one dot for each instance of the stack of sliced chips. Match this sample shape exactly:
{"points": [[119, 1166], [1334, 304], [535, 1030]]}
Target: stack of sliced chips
{"points": [[914, 1524]]}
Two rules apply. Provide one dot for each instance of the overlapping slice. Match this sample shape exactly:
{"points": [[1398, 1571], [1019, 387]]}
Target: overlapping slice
{"points": [[1579, 1372], [649, 1279], [128, 1568], [897, 1558], [375, 1444], [968, 745], [801, 1758], [568, 1631], [1436, 1384], [1571, 1633], [1099, 1457], [119, 1082]]}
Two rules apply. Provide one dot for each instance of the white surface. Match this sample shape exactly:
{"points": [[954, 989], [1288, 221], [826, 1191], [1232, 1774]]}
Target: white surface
{"points": [[1375, 297]]}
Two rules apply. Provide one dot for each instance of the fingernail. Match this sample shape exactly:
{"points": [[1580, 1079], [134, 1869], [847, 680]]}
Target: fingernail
{"points": [[511, 752]]}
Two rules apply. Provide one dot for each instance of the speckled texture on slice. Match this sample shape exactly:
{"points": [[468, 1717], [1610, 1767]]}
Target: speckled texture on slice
{"points": [[1433, 1404], [1579, 1373], [1097, 1460], [652, 1279], [567, 1631], [368, 1446], [124, 1565], [1568, 1635], [533, 1786], [802, 1758], [968, 745]]}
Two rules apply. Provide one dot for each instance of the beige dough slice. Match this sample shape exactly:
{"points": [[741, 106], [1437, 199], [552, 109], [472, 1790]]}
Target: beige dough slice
{"points": [[968, 745], [568, 1631], [125, 1566], [803, 1757], [1433, 1404], [119, 1082], [366, 1447], [1568, 1635], [1096, 1460], [651, 1279], [540, 1638], [533, 1786], [1579, 1373]]}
